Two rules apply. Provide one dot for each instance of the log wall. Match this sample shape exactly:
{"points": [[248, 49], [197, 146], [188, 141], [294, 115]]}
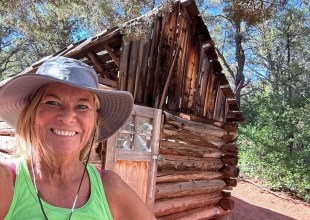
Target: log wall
{"points": [[196, 168]]}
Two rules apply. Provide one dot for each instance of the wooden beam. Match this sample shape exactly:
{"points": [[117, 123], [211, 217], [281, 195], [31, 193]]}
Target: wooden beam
{"points": [[197, 214], [171, 70], [178, 176], [108, 82], [197, 127], [176, 148], [98, 65], [178, 163], [150, 199], [167, 207], [95, 61], [170, 132], [112, 54], [180, 189], [227, 204]]}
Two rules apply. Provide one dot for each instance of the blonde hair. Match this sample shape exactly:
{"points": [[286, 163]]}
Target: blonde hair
{"points": [[26, 134]]}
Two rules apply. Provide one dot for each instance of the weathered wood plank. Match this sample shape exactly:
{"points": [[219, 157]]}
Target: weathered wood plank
{"points": [[99, 66], [153, 163], [216, 84], [230, 149], [230, 127], [138, 69], [123, 69], [179, 176], [135, 174], [161, 59], [179, 189], [231, 171], [175, 205], [219, 105], [112, 54], [199, 119], [173, 162], [228, 138], [132, 66], [227, 204], [189, 137], [176, 148], [231, 160], [149, 85], [168, 80], [208, 101], [187, 125], [230, 182], [196, 214], [204, 82], [176, 85], [141, 89]]}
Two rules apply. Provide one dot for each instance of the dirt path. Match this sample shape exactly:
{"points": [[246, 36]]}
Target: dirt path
{"points": [[253, 203]]}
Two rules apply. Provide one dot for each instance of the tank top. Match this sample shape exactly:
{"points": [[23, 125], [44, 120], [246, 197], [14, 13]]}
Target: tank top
{"points": [[25, 204]]}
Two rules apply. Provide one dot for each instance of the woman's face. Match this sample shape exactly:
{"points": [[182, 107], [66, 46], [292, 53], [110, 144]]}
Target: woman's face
{"points": [[65, 119]]}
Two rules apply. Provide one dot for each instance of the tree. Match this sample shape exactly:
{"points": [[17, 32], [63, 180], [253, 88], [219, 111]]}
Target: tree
{"points": [[49, 25], [10, 47], [235, 23], [275, 138], [282, 53]]}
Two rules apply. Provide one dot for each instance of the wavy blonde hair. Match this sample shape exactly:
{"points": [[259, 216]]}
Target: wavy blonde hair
{"points": [[26, 133]]}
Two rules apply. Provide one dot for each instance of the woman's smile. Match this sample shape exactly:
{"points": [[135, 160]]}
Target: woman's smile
{"points": [[64, 133]]}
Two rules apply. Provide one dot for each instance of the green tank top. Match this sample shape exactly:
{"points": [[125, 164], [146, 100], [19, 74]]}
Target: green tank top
{"points": [[25, 204]]}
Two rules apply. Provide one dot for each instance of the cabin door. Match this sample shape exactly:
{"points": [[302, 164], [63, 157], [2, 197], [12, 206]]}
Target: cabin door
{"points": [[132, 151]]}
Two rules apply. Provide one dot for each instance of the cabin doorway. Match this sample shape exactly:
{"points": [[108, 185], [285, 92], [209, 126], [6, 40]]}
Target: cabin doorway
{"points": [[132, 152]]}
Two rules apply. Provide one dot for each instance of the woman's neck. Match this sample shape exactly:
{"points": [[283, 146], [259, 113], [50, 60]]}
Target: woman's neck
{"points": [[59, 170]]}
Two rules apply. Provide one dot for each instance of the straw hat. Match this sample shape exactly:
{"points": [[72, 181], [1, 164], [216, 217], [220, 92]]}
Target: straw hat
{"points": [[115, 106]]}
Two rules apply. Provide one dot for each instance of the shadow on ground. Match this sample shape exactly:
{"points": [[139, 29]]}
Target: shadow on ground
{"points": [[247, 211]]}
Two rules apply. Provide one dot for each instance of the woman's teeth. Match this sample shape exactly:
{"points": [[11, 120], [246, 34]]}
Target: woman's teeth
{"points": [[64, 133]]}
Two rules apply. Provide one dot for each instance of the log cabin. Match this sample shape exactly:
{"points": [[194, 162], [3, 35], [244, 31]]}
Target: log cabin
{"points": [[177, 150]]}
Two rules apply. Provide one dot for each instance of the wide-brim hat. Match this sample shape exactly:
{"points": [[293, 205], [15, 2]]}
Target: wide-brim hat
{"points": [[115, 105]]}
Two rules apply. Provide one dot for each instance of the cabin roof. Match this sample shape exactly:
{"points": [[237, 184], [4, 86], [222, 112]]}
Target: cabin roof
{"points": [[103, 52]]}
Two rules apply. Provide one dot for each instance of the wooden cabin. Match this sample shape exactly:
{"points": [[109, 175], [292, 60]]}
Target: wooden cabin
{"points": [[177, 150]]}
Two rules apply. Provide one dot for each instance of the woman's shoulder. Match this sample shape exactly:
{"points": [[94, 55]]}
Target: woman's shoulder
{"points": [[124, 203], [6, 188], [114, 184], [111, 179], [5, 172]]}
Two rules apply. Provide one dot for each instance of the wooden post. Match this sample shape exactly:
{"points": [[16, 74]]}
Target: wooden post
{"points": [[153, 164]]}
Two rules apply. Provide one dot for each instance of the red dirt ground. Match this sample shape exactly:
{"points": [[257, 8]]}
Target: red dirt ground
{"points": [[254, 203]]}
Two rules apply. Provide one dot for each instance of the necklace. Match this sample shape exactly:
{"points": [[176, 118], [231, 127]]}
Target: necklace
{"points": [[80, 184], [39, 198]]}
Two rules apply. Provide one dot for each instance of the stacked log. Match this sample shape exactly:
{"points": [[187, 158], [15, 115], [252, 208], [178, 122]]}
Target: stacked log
{"points": [[196, 166]]}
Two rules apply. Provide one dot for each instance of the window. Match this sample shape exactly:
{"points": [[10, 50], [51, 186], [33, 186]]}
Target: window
{"points": [[136, 134]]}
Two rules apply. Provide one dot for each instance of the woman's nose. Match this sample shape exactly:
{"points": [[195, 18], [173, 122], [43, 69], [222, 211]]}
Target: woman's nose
{"points": [[67, 115]]}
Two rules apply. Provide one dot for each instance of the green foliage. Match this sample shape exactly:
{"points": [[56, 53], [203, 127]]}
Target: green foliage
{"points": [[29, 35], [275, 142], [31, 30]]}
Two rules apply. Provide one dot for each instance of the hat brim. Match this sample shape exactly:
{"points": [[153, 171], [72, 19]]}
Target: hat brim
{"points": [[116, 105]]}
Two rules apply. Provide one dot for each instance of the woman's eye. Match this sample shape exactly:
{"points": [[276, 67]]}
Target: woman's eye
{"points": [[51, 103], [82, 107]]}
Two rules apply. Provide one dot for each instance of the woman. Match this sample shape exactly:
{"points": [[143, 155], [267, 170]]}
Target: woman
{"points": [[59, 114]]}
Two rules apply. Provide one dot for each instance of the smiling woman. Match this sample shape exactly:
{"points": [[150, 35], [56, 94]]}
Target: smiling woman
{"points": [[59, 114], [64, 120]]}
